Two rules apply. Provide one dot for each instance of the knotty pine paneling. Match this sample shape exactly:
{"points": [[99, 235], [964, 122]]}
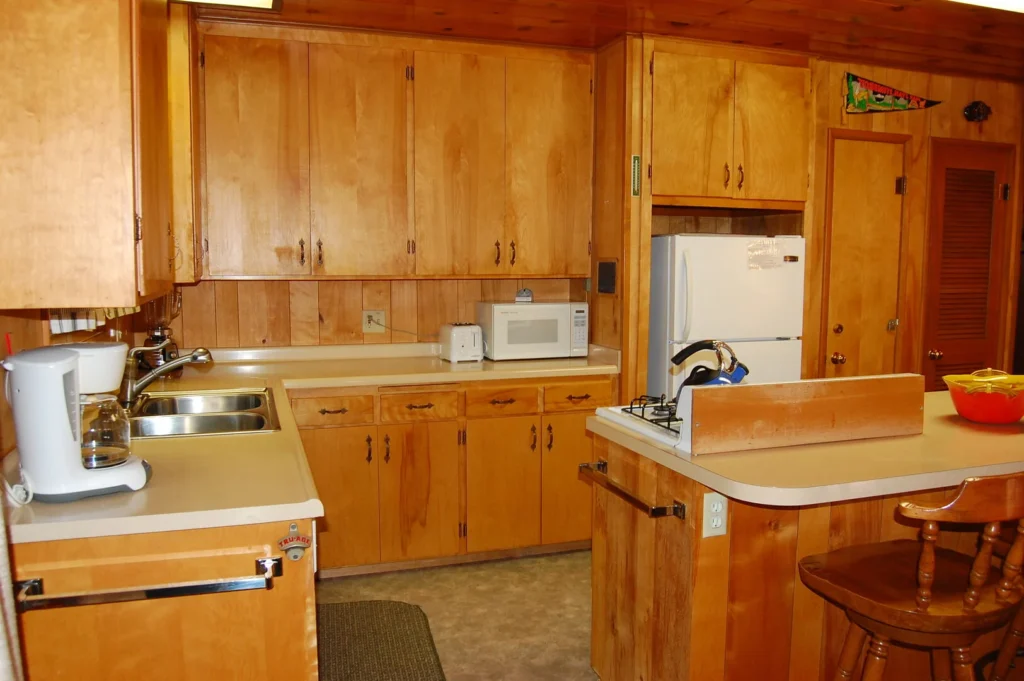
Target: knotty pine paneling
{"points": [[229, 314]]}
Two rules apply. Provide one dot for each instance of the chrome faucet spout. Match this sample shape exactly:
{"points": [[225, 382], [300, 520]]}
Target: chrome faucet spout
{"points": [[133, 385]]}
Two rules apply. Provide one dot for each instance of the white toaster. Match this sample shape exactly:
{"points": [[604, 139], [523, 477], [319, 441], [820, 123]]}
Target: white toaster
{"points": [[462, 342]]}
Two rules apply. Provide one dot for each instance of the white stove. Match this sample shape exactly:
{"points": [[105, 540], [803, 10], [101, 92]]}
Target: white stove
{"points": [[653, 417]]}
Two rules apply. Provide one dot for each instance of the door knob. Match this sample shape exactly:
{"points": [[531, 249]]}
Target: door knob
{"points": [[837, 329], [838, 358], [935, 354]]}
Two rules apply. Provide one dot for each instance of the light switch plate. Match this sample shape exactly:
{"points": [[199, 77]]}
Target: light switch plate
{"points": [[716, 515], [374, 321]]}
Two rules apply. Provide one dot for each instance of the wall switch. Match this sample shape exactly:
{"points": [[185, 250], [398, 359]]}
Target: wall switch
{"points": [[716, 515], [374, 321]]}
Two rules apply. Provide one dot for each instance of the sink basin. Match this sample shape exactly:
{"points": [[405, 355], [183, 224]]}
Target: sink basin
{"points": [[203, 413]]}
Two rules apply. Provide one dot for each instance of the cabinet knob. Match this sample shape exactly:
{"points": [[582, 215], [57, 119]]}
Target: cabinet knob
{"points": [[935, 355], [838, 358]]}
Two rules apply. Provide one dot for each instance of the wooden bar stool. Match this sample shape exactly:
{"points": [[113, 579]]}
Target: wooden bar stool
{"points": [[954, 598]]}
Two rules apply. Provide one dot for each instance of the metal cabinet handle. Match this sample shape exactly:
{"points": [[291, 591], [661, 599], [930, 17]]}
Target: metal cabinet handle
{"points": [[324, 412], [578, 398], [497, 252], [740, 185], [727, 175], [510, 400], [838, 358], [319, 253], [428, 405], [598, 474], [387, 448], [512, 260], [369, 449], [302, 251], [533, 445], [936, 354], [30, 592], [551, 437]]}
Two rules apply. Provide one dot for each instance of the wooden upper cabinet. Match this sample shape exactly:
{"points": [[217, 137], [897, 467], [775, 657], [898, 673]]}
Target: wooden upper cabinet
{"points": [[83, 148], [772, 131], [359, 161], [692, 126], [549, 151], [459, 138], [257, 157]]}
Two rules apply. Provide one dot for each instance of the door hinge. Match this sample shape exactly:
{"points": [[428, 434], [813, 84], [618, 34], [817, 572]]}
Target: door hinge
{"points": [[901, 184], [202, 59], [590, 248], [138, 227], [652, 65], [1005, 192], [650, 172], [591, 86], [892, 324]]}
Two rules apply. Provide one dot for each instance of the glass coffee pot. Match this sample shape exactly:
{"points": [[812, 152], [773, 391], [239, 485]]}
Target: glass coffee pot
{"points": [[106, 431]]}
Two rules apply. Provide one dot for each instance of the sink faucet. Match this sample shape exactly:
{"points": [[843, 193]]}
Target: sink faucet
{"points": [[132, 384]]}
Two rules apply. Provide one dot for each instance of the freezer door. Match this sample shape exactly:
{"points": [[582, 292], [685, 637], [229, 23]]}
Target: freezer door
{"points": [[735, 287], [768, 361]]}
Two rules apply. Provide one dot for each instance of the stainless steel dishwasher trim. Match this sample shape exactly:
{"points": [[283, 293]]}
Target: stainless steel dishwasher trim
{"points": [[598, 474], [30, 591]]}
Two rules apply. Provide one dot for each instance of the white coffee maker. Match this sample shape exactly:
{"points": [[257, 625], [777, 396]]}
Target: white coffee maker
{"points": [[45, 388]]}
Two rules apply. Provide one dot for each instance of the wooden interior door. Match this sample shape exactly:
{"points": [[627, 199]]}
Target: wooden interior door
{"points": [[459, 137], [503, 469], [863, 258], [359, 161], [692, 126], [565, 499], [344, 463], [419, 490], [772, 131], [154, 256], [549, 151], [968, 239], [257, 156]]}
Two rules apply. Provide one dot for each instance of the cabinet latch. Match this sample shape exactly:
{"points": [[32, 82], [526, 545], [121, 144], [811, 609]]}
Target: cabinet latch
{"points": [[138, 227]]}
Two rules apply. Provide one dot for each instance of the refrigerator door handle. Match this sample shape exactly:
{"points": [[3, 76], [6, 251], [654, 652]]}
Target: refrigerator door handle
{"points": [[687, 278]]}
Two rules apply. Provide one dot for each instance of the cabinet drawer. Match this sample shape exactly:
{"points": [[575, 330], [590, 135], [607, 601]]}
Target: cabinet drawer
{"points": [[425, 406], [502, 401], [343, 410], [584, 396]]}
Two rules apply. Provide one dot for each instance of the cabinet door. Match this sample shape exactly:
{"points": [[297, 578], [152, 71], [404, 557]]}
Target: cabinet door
{"points": [[459, 138], [772, 110], [549, 153], [565, 499], [152, 147], [419, 491], [692, 126], [257, 156], [503, 483], [344, 463], [359, 161]]}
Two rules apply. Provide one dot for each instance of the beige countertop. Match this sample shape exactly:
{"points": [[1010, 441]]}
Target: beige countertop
{"points": [[950, 450], [241, 479]]}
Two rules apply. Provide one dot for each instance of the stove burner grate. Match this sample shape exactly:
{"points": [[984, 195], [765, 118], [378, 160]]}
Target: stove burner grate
{"points": [[655, 410]]}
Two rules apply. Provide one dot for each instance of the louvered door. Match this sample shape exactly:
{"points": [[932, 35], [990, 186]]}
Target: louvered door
{"points": [[968, 239]]}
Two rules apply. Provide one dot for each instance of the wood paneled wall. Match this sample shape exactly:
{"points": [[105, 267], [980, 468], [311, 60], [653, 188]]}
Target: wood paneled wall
{"points": [[944, 120], [229, 314]]}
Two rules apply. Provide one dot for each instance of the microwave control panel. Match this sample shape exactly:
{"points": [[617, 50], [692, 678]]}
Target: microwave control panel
{"points": [[580, 331]]}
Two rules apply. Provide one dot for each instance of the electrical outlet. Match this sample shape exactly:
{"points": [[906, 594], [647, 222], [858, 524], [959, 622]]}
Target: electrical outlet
{"points": [[716, 514], [374, 321]]}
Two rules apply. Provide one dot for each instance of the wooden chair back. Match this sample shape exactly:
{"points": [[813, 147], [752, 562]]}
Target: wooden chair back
{"points": [[991, 501]]}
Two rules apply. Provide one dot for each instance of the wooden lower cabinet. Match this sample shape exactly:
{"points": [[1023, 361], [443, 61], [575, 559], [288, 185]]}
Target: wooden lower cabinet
{"points": [[503, 482], [258, 634], [419, 490], [565, 499], [345, 464]]}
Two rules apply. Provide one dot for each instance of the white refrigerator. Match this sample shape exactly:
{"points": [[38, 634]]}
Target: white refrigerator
{"points": [[745, 290]]}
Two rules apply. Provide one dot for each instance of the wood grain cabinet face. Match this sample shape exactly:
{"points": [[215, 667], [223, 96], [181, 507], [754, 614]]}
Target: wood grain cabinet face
{"points": [[692, 126], [459, 139], [343, 410], [772, 131], [257, 156], [549, 162], [503, 482], [345, 464], [419, 491], [565, 499], [358, 105], [499, 401], [581, 395], [422, 406]]}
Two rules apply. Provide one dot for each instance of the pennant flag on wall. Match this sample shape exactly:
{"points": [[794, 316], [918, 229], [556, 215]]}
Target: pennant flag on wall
{"points": [[867, 96]]}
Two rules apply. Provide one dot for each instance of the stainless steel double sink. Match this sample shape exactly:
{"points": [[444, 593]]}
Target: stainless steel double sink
{"points": [[203, 413]]}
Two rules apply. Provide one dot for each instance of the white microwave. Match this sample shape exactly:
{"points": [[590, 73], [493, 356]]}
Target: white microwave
{"points": [[534, 330]]}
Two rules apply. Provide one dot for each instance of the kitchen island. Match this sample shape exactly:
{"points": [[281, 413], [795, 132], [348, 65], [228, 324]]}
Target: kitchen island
{"points": [[669, 603]]}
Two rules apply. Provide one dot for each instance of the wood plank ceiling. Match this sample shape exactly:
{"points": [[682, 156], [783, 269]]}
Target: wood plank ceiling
{"points": [[929, 35]]}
